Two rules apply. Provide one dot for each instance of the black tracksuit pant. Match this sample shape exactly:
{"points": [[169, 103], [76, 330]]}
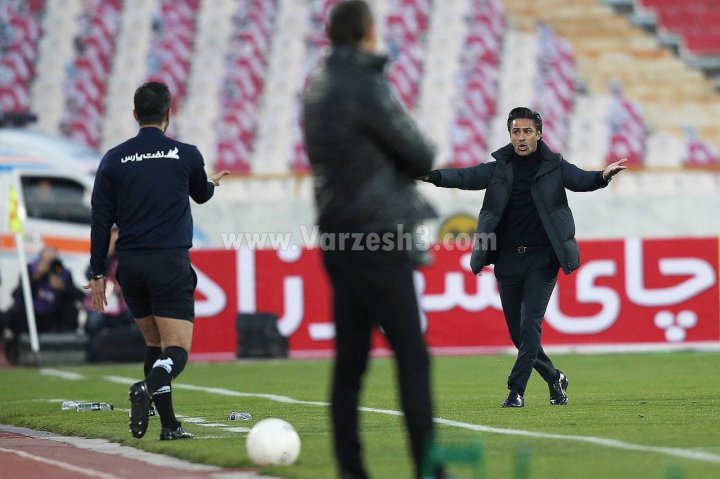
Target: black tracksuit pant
{"points": [[525, 282], [375, 288]]}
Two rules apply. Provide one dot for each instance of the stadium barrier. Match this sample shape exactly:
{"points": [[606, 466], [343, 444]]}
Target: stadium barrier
{"points": [[629, 294]]}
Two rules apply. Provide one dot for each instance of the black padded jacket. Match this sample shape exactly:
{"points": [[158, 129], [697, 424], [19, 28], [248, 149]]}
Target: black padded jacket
{"points": [[548, 192], [364, 149]]}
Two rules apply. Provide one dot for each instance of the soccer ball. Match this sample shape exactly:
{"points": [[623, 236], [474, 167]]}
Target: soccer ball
{"points": [[273, 442]]}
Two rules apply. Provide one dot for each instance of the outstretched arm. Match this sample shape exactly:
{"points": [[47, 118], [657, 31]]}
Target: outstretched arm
{"points": [[472, 178], [577, 179]]}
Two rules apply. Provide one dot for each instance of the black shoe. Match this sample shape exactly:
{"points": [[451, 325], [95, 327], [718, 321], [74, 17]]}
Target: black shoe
{"points": [[172, 434], [513, 399], [558, 390], [151, 412], [139, 409]]}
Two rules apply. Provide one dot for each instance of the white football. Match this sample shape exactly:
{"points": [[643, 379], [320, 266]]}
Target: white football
{"points": [[273, 442]]}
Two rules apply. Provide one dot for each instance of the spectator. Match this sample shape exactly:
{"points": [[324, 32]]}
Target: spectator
{"points": [[54, 295]]}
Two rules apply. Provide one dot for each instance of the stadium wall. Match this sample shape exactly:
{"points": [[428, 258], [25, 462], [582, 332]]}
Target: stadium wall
{"points": [[629, 294], [636, 204]]}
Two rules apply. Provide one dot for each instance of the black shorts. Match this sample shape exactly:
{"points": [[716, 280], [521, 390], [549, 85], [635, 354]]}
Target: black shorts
{"points": [[158, 283]]}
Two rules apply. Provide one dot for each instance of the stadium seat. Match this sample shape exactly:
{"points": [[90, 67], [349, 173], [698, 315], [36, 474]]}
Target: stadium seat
{"points": [[89, 71]]}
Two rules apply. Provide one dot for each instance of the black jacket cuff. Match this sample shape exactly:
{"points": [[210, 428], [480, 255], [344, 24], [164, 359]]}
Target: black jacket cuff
{"points": [[434, 177]]}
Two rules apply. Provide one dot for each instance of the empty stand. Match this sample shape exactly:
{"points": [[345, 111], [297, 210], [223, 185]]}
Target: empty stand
{"points": [[627, 129], [55, 51], [243, 84], [197, 120], [278, 130], [171, 48], [609, 50], [406, 26], [316, 43], [237, 69], [88, 72], [555, 83], [20, 34], [435, 107], [477, 83], [128, 72], [696, 22]]}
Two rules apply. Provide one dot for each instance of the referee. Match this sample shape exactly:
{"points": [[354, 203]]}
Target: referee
{"points": [[142, 186]]}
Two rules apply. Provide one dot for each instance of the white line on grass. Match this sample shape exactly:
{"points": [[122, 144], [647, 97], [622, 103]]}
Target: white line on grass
{"points": [[62, 374], [598, 441], [62, 465]]}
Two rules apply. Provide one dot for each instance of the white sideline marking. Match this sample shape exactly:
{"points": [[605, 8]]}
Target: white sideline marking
{"points": [[62, 465], [70, 376], [598, 441]]}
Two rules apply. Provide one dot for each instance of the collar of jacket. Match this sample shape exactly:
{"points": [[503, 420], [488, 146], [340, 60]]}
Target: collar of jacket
{"points": [[549, 159], [343, 53]]}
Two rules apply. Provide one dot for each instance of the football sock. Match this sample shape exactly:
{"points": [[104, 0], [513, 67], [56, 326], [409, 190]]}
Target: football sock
{"points": [[167, 367], [163, 402], [152, 354]]}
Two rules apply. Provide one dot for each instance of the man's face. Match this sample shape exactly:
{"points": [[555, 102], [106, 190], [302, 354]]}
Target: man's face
{"points": [[524, 136]]}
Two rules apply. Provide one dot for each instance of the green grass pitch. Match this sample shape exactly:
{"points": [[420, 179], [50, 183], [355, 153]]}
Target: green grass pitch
{"points": [[650, 415]]}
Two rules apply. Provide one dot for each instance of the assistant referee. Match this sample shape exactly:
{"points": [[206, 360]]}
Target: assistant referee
{"points": [[142, 186]]}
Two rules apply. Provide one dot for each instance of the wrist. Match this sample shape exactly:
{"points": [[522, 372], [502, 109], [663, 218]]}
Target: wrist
{"points": [[97, 277]]}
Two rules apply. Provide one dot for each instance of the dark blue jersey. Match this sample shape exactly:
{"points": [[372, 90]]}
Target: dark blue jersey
{"points": [[142, 185]]}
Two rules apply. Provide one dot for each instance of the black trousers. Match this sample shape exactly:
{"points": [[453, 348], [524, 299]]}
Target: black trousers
{"points": [[375, 288], [525, 282]]}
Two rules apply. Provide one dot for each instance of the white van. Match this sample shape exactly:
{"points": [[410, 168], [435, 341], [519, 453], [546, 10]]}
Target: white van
{"points": [[55, 196]]}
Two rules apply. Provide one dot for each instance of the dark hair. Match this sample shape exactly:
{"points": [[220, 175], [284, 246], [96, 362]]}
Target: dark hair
{"points": [[524, 112], [349, 22], [152, 102]]}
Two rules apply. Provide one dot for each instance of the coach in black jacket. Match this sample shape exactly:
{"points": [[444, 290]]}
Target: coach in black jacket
{"points": [[526, 229], [365, 152]]}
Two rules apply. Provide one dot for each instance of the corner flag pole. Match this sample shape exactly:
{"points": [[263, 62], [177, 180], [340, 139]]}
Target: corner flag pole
{"points": [[17, 213]]}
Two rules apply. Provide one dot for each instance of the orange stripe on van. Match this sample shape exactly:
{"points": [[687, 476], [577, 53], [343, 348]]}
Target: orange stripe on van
{"points": [[63, 244], [7, 242], [69, 245]]}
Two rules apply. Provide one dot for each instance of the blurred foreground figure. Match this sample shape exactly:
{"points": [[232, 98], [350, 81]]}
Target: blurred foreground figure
{"points": [[142, 186], [365, 151]]}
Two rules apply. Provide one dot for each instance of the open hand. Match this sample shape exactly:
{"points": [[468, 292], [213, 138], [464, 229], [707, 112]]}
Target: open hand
{"points": [[613, 169], [218, 176], [97, 291]]}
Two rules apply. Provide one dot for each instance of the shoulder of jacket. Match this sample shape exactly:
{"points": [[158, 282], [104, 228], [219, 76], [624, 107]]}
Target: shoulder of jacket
{"points": [[504, 153], [548, 154]]}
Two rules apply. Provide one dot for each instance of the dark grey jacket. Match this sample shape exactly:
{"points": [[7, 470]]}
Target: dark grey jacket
{"points": [[547, 189], [364, 149]]}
